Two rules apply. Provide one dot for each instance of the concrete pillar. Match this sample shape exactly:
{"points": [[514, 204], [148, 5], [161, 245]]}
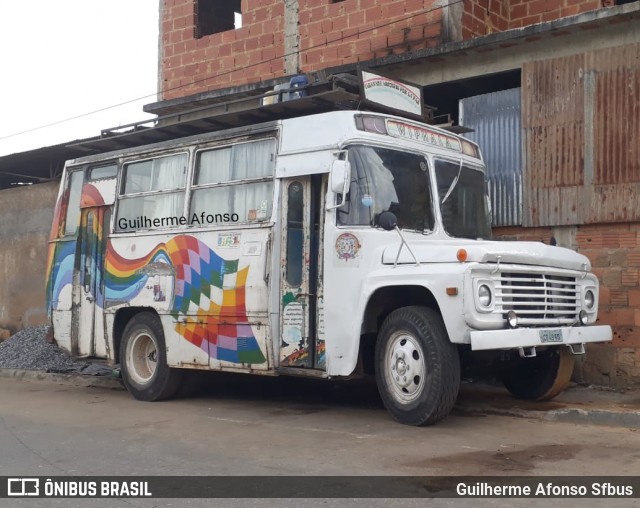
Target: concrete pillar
{"points": [[291, 37]]}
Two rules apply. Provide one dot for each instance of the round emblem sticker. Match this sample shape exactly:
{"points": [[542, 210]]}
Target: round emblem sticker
{"points": [[347, 246]]}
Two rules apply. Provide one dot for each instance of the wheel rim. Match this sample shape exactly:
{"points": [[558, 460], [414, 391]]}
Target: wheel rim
{"points": [[405, 367], [142, 357]]}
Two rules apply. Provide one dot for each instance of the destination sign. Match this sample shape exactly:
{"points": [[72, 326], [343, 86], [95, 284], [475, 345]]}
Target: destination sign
{"points": [[423, 134]]}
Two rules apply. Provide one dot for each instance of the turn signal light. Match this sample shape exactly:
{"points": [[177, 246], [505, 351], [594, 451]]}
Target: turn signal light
{"points": [[461, 255]]}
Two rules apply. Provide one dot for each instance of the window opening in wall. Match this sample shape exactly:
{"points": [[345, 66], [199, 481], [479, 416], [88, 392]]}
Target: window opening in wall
{"points": [[445, 96], [214, 16]]}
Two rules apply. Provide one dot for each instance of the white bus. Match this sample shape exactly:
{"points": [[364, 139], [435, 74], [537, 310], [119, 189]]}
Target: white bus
{"points": [[328, 245]]}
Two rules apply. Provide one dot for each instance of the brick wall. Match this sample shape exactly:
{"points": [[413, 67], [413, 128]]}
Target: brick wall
{"points": [[614, 252], [190, 65], [333, 34], [482, 17], [330, 34]]}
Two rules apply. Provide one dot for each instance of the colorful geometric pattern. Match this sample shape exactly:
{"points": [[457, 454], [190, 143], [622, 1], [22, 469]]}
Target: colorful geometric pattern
{"points": [[209, 292]]}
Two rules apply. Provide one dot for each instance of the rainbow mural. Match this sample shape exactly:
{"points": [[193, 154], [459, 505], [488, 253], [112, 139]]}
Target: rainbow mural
{"points": [[208, 291], [60, 257], [59, 271], [91, 196]]}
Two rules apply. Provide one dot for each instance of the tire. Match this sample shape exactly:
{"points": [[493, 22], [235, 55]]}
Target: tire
{"points": [[541, 377], [143, 359], [414, 341]]}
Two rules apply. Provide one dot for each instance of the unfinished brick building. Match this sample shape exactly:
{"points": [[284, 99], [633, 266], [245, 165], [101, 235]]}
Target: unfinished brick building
{"points": [[564, 169]]}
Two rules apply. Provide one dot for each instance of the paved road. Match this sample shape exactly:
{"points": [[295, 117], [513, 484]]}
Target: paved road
{"points": [[257, 426]]}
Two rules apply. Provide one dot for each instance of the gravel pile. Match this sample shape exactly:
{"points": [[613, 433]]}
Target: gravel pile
{"points": [[29, 349]]}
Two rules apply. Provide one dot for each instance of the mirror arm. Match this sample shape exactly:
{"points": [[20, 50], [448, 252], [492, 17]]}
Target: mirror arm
{"points": [[404, 243], [333, 207]]}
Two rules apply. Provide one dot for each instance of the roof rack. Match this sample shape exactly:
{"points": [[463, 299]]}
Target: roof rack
{"points": [[299, 98]]}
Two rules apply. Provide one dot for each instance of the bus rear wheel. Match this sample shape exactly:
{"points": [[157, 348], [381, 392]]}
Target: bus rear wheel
{"points": [[143, 358], [541, 377], [417, 367]]}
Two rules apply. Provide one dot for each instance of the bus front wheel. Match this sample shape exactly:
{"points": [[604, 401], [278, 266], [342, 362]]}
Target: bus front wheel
{"points": [[143, 358], [417, 367]]}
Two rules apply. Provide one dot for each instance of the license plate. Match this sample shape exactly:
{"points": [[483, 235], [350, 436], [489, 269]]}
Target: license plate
{"points": [[547, 336]]}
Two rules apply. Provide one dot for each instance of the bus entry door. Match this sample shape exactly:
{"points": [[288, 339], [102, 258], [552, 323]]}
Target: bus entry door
{"points": [[88, 291], [301, 262]]}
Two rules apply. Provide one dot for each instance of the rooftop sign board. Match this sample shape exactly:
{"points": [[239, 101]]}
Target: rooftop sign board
{"points": [[392, 94]]}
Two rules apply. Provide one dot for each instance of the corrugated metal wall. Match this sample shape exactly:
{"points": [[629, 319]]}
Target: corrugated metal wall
{"points": [[615, 74], [581, 123], [495, 118]]}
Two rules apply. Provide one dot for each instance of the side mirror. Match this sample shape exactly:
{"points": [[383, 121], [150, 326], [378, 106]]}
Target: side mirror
{"points": [[339, 180], [387, 221], [340, 176]]}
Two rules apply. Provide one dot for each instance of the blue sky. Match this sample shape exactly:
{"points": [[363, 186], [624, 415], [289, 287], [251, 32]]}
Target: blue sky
{"points": [[65, 58]]}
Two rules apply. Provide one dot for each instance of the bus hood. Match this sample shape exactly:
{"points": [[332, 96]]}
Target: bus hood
{"points": [[480, 251]]}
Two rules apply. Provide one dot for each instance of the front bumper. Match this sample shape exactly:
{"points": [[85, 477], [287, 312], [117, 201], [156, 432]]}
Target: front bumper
{"points": [[529, 337]]}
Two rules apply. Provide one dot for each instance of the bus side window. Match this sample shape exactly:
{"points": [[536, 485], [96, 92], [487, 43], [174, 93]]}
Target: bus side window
{"points": [[234, 183], [72, 217], [152, 189]]}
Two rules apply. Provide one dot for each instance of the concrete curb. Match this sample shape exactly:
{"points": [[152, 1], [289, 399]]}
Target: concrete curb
{"points": [[572, 406], [63, 379], [593, 416], [626, 419]]}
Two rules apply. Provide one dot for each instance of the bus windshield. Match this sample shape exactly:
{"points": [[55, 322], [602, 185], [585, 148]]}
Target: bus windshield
{"points": [[383, 179], [461, 191]]}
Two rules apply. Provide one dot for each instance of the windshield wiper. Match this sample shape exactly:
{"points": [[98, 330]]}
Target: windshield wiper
{"points": [[453, 184]]}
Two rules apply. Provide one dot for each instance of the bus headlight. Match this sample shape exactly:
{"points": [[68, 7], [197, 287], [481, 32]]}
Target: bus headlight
{"points": [[589, 299], [484, 295]]}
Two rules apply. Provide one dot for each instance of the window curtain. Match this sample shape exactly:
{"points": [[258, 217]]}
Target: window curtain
{"points": [[253, 160], [214, 166], [168, 173]]}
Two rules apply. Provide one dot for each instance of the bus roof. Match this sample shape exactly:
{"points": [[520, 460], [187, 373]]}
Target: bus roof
{"points": [[323, 131]]}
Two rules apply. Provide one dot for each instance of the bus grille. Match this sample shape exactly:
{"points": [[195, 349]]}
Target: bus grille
{"points": [[538, 299]]}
